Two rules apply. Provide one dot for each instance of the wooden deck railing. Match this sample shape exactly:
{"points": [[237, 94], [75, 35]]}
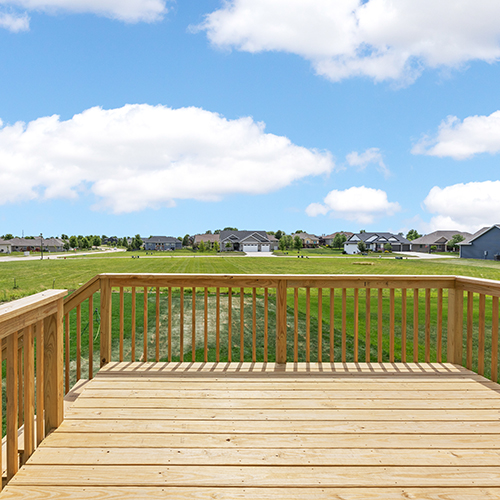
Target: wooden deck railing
{"points": [[235, 318], [32, 347]]}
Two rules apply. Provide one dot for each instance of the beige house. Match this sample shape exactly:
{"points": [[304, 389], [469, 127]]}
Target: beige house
{"points": [[208, 239]]}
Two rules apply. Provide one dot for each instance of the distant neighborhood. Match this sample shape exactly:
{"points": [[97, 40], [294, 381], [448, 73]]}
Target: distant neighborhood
{"points": [[484, 244]]}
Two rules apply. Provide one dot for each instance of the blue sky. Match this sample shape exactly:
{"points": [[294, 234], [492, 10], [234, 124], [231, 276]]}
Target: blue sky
{"points": [[162, 117]]}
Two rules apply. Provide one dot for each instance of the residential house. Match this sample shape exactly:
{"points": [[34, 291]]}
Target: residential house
{"points": [[34, 245], [274, 243], [439, 239], [308, 240], [5, 246], [245, 241], [328, 239], [485, 244], [161, 243], [208, 239], [376, 242]]}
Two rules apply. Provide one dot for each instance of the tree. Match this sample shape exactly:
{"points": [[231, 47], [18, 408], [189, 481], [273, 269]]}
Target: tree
{"points": [[136, 242], [7, 236], [455, 240], [124, 242], [282, 245], [299, 231], [362, 231], [230, 229], [362, 246], [208, 231], [185, 241], [66, 246], [288, 241], [73, 242], [201, 246], [413, 234], [85, 242], [278, 234], [228, 245], [217, 231], [216, 246], [96, 241], [297, 242], [388, 247], [339, 240], [64, 236]]}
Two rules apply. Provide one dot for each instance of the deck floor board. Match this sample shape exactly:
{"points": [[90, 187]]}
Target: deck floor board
{"points": [[254, 431]]}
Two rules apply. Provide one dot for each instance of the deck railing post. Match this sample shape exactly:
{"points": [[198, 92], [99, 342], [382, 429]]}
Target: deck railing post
{"points": [[105, 321], [455, 326], [281, 321], [54, 368]]}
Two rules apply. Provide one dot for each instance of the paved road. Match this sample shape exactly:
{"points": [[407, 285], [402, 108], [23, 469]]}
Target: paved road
{"points": [[47, 255]]}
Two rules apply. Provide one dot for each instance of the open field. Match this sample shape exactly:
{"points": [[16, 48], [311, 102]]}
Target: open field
{"points": [[34, 276]]}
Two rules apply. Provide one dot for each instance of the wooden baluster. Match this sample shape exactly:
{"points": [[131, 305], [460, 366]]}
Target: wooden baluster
{"points": [[193, 324], [122, 318], [181, 326], [344, 325], [217, 325], [91, 337], [229, 323], [415, 325], [320, 325], [205, 331], [455, 326], [368, 326], [281, 329], [145, 327], [133, 320], [494, 339], [380, 340], [440, 326], [157, 353], [67, 353], [403, 325], [39, 383], [29, 393], [254, 325], [470, 319], [169, 324], [78, 342], [427, 325], [20, 385], [392, 322], [332, 325], [296, 325], [481, 343], [242, 325], [106, 322], [12, 406], [356, 324], [308, 325], [266, 323]]}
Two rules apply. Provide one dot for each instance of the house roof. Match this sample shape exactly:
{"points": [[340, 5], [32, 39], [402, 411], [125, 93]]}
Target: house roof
{"points": [[377, 238], [237, 236], [206, 238], [438, 237], [304, 236], [331, 236], [477, 234], [28, 242], [160, 239]]}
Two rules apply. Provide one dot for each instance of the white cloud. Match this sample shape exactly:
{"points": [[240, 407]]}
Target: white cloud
{"points": [[380, 39], [142, 156], [372, 155], [463, 139], [466, 207], [360, 204], [130, 11], [14, 23]]}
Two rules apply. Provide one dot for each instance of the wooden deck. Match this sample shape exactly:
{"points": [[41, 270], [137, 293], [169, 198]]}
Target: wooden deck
{"points": [[206, 431]]}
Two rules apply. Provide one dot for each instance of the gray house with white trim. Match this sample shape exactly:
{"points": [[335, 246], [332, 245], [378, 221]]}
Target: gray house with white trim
{"points": [[245, 241], [439, 239], [376, 242], [485, 244], [162, 243]]}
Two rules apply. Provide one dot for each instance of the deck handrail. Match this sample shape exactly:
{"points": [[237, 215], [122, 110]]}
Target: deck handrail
{"points": [[22, 322]]}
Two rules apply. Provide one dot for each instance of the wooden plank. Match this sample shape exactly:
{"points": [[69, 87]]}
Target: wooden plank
{"points": [[170, 324], [263, 476], [157, 325], [494, 339], [61, 492], [254, 325], [12, 407], [29, 393], [332, 325], [356, 325], [296, 325], [344, 325], [84, 292], [427, 325], [440, 326], [20, 384], [368, 326], [145, 333], [106, 324], [281, 327], [205, 326], [79, 342], [470, 319], [380, 330], [308, 325], [40, 434], [66, 353], [455, 326], [287, 457], [415, 325], [217, 326], [242, 325], [481, 328], [181, 326], [403, 325], [229, 324], [266, 324], [391, 324], [122, 319]]}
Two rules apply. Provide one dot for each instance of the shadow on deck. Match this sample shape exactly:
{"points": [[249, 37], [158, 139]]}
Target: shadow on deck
{"points": [[255, 431]]}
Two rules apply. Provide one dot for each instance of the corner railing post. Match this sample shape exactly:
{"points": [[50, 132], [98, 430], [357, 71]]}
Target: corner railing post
{"points": [[105, 321], [455, 325], [54, 368], [281, 321]]}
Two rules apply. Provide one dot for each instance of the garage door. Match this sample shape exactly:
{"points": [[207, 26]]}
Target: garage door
{"points": [[249, 248], [265, 248]]}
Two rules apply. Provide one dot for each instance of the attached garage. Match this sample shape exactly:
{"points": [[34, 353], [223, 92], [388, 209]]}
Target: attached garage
{"points": [[250, 248], [265, 248]]}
